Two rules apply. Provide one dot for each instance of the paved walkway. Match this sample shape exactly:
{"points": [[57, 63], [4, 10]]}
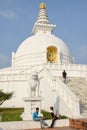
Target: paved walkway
{"points": [[56, 128]]}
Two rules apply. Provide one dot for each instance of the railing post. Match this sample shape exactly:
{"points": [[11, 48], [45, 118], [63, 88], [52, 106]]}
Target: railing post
{"points": [[77, 108]]}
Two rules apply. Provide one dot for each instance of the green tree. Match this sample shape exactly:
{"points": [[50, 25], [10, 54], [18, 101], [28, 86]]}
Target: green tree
{"points": [[5, 96]]}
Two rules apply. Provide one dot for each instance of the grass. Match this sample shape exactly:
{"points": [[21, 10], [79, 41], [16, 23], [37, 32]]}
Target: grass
{"points": [[13, 114]]}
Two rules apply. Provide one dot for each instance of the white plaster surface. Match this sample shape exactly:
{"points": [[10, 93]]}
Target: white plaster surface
{"points": [[20, 125]]}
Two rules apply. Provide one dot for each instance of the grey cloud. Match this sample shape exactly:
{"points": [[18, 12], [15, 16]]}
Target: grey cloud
{"points": [[8, 14]]}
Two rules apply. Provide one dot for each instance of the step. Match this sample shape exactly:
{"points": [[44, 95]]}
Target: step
{"points": [[79, 87], [23, 125]]}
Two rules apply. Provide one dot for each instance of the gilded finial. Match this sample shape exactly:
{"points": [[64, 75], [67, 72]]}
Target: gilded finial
{"points": [[42, 6]]}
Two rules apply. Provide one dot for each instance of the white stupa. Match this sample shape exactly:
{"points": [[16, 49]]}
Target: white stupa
{"points": [[42, 46], [42, 57]]}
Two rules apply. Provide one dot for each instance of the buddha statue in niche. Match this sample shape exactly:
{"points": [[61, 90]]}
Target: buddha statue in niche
{"points": [[52, 54]]}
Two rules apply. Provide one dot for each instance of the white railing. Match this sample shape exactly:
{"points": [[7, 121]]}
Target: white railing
{"points": [[12, 72], [73, 70], [69, 98], [79, 67]]}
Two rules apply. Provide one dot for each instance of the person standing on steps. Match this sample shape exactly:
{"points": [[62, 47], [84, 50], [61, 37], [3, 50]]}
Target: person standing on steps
{"points": [[64, 74], [54, 116], [36, 117]]}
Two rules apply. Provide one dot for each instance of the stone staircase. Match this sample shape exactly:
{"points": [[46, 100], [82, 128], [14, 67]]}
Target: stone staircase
{"points": [[79, 87]]}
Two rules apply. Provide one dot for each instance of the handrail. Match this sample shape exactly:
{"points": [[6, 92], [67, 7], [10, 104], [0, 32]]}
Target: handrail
{"points": [[77, 67], [66, 94], [62, 84]]}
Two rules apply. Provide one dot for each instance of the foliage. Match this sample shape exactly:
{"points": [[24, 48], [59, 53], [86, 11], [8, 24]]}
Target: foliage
{"points": [[13, 114], [5, 96], [62, 117], [47, 115]]}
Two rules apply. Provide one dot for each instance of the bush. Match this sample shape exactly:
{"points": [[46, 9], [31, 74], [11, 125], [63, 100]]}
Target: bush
{"points": [[13, 114], [47, 115], [62, 117]]}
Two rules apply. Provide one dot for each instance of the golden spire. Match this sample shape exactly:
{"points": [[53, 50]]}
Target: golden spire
{"points": [[42, 6]]}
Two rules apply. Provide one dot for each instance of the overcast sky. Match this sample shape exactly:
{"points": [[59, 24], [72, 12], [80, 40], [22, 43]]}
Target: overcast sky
{"points": [[17, 18]]}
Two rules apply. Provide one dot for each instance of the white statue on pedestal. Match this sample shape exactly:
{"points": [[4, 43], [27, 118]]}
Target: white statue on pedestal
{"points": [[33, 96], [34, 84]]}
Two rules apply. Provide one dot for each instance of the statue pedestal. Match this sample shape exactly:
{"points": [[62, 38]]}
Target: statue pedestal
{"points": [[30, 107]]}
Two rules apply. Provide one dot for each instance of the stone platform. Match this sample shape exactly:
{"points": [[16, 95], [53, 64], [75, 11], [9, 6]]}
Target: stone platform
{"points": [[27, 125], [64, 124]]}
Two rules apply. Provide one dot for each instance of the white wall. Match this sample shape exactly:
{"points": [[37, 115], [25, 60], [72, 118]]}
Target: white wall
{"points": [[19, 89]]}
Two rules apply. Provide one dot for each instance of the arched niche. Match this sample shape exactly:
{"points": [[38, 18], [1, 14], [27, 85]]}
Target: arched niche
{"points": [[52, 54]]}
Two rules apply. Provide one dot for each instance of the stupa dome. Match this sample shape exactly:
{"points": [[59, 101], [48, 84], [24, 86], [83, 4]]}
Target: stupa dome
{"points": [[42, 46], [39, 43]]}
